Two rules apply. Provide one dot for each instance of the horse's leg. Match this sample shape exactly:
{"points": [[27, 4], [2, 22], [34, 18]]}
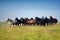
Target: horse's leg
{"points": [[44, 24], [33, 23], [12, 25], [18, 24]]}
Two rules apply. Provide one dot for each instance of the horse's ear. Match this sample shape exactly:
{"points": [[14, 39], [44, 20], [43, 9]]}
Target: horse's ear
{"points": [[7, 19]]}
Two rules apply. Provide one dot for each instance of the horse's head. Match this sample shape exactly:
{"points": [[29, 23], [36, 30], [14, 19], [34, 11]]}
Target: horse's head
{"points": [[51, 17], [8, 20], [16, 19], [31, 18], [21, 19], [26, 19]]}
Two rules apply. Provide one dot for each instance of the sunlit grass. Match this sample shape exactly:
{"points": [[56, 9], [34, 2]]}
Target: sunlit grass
{"points": [[51, 32]]}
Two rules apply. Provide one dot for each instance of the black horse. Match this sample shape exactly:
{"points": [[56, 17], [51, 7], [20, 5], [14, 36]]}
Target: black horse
{"points": [[47, 21], [50, 20], [40, 21], [53, 20], [19, 21]]}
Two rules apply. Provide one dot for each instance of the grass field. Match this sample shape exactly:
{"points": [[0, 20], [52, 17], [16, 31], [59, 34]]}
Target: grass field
{"points": [[51, 32]]}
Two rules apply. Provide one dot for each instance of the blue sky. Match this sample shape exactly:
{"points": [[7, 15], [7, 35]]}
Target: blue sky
{"points": [[22, 8]]}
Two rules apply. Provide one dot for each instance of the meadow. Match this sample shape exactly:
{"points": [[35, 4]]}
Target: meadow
{"points": [[51, 32]]}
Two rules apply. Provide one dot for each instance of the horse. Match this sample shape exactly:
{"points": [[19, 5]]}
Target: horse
{"points": [[11, 22], [32, 21], [23, 21], [40, 21], [53, 20], [26, 21], [47, 21], [18, 21]]}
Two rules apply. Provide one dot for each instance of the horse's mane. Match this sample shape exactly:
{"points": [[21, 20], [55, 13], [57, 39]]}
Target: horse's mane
{"points": [[10, 20]]}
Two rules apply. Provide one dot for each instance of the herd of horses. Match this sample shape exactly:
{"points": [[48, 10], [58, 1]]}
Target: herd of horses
{"points": [[36, 21]]}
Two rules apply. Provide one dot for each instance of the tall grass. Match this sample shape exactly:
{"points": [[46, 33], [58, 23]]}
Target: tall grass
{"points": [[51, 32]]}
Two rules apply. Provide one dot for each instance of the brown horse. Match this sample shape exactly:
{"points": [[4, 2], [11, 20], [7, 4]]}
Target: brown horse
{"points": [[32, 21], [29, 21]]}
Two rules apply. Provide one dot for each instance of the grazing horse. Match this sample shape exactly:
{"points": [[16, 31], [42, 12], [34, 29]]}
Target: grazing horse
{"points": [[11, 22]]}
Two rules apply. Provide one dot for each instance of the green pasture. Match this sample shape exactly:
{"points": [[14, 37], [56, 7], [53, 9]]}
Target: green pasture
{"points": [[51, 32]]}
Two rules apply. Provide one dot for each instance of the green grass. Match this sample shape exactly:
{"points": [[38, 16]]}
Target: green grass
{"points": [[51, 32]]}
